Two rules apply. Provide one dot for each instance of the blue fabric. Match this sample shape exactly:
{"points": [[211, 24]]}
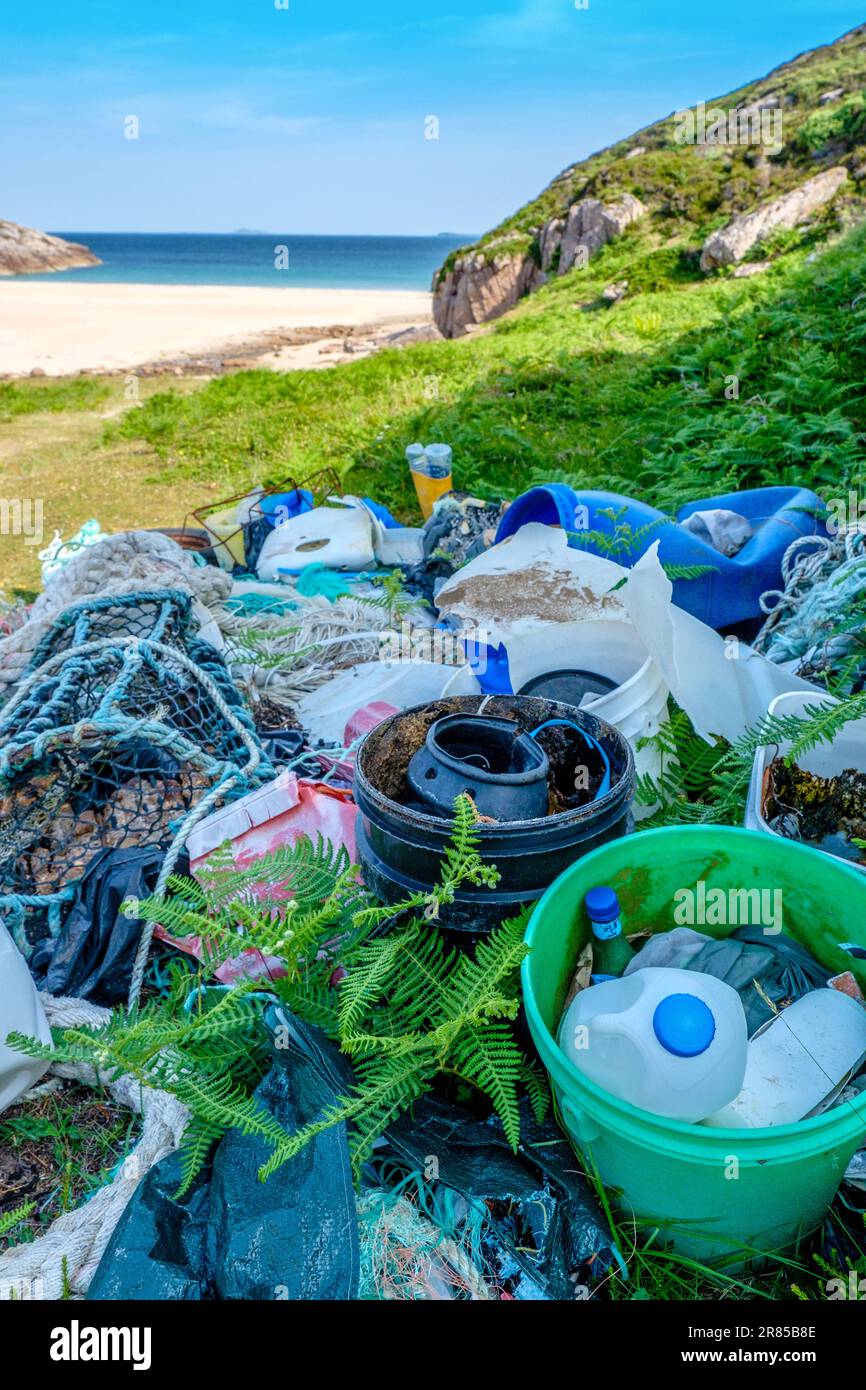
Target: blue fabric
{"points": [[489, 666], [723, 598]]}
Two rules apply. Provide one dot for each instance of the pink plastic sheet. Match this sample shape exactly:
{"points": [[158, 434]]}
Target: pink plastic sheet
{"points": [[275, 815]]}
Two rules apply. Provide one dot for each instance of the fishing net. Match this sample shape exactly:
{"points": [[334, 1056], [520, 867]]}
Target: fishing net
{"points": [[815, 623], [125, 729]]}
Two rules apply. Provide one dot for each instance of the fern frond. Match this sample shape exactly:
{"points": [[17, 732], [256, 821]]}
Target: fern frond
{"points": [[478, 979], [536, 1086], [373, 967], [217, 1100], [11, 1219], [369, 1110], [488, 1056], [198, 1140]]}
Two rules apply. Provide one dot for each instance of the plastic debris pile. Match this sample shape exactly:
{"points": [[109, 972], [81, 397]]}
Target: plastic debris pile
{"points": [[302, 670]]}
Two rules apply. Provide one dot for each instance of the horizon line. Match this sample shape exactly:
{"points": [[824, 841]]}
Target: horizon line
{"points": [[242, 231]]}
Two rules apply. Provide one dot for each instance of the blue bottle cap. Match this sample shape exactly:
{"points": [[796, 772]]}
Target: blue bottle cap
{"points": [[684, 1025], [602, 905]]}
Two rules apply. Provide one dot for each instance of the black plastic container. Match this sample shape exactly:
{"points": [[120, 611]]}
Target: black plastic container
{"points": [[569, 685], [504, 771], [400, 848]]}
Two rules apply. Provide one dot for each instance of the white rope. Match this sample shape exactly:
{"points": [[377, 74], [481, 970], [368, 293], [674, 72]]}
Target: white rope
{"points": [[65, 1258], [122, 564]]}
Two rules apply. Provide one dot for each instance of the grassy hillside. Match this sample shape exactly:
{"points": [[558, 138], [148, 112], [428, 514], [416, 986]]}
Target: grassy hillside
{"points": [[634, 397], [693, 189], [690, 384]]}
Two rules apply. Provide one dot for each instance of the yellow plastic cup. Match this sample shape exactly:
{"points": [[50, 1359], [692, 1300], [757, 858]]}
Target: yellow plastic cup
{"points": [[431, 474]]}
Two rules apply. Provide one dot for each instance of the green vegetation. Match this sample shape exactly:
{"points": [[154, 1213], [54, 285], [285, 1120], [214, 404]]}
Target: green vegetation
{"points": [[844, 121], [58, 1148], [687, 387], [409, 1008], [30, 397]]}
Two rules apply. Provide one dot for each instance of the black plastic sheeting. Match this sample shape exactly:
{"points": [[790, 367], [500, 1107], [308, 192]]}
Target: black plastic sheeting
{"points": [[294, 1236], [93, 954], [544, 1235]]}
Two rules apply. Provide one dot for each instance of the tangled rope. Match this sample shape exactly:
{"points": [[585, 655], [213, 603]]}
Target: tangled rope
{"points": [[126, 730], [822, 576], [123, 564], [288, 655], [64, 1259]]}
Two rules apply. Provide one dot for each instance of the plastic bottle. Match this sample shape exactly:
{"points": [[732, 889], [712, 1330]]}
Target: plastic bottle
{"points": [[669, 1041], [798, 1061], [431, 473], [611, 953]]}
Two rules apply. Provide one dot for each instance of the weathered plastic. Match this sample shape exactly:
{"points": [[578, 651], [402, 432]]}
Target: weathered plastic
{"points": [[718, 1194], [611, 1034], [504, 772], [21, 1011], [401, 849]]}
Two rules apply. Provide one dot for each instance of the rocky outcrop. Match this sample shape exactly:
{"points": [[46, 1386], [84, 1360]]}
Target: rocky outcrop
{"points": [[477, 289], [591, 224], [730, 244], [480, 286], [24, 251]]}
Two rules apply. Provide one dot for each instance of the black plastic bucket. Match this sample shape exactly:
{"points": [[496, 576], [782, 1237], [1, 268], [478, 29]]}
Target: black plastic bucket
{"points": [[400, 848]]}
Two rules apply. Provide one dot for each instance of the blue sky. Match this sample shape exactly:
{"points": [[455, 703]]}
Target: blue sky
{"points": [[311, 118]]}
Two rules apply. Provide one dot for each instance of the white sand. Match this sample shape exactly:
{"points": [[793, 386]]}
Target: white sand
{"points": [[65, 328]]}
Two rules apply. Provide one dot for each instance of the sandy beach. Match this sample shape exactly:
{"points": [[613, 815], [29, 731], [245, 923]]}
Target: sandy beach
{"points": [[61, 329]]}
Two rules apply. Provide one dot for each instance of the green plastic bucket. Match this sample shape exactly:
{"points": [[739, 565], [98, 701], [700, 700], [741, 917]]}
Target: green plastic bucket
{"points": [[713, 1192]]}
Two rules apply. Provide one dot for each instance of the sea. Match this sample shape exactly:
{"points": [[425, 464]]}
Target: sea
{"points": [[270, 260]]}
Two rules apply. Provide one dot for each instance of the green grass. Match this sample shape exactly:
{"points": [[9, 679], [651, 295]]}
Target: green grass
{"points": [[654, 1271], [67, 393], [65, 1145], [638, 398]]}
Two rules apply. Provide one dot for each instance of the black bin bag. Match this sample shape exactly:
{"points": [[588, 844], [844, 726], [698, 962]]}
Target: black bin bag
{"points": [[544, 1236], [232, 1236]]}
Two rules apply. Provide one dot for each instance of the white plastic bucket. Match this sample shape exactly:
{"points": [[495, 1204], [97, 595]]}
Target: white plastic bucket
{"points": [[637, 707], [824, 760]]}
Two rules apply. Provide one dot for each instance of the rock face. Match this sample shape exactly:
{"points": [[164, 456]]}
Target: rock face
{"points": [[591, 224], [731, 243], [479, 287], [476, 290], [24, 251]]}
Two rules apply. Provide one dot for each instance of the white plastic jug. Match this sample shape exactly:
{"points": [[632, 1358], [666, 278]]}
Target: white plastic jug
{"points": [[798, 1061], [20, 1012], [672, 1042]]}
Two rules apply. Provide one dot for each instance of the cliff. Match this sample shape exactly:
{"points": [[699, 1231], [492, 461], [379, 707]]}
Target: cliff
{"points": [[739, 178]]}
